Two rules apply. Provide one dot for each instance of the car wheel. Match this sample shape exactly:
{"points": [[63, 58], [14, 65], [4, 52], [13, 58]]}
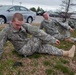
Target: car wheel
{"points": [[2, 20], [29, 20]]}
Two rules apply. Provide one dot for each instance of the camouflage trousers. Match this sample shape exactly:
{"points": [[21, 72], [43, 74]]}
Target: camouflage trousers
{"points": [[63, 34], [35, 45]]}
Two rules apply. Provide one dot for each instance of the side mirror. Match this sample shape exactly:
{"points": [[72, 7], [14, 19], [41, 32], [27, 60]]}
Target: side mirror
{"points": [[8, 10]]}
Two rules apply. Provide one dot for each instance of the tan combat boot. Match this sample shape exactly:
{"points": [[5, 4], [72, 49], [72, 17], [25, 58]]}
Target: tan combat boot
{"points": [[69, 40]]}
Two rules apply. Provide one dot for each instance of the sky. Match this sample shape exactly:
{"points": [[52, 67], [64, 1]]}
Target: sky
{"points": [[45, 4]]}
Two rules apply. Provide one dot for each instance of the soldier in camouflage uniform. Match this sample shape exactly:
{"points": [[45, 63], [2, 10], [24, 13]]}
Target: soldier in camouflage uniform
{"points": [[17, 32], [72, 23], [59, 30]]}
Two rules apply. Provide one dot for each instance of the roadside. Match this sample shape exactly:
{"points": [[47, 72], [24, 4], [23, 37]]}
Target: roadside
{"points": [[38, 19]]}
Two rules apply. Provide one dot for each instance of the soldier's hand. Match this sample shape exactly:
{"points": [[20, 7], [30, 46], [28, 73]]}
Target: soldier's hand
{"points": [[57, 42], [71, 29]]}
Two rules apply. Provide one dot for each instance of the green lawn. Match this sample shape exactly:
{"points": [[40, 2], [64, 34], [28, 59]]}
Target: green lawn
{"points": [[37, 64]]}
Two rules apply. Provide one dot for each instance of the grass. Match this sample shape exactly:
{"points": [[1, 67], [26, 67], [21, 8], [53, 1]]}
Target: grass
{"points": [[64, 69], [37, 64], [46, 63], [50, 72]]}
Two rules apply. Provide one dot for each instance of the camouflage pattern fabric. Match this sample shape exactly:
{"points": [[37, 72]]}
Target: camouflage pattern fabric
{"points": [[27, 46], [72, 23], [57, 29], [35, 45]]}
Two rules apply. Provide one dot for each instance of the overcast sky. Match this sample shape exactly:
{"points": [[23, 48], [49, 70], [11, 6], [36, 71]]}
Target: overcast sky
{"points": [[45, 4]]}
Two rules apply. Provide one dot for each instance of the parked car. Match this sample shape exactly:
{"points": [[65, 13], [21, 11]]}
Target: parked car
{"points": [[63, 15], [7, 11], [73, 16], [40, 13], [52, 14]]}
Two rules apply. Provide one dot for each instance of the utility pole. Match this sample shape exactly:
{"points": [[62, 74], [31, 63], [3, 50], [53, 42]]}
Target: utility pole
{"points": [[12, 2], [20, 3]]}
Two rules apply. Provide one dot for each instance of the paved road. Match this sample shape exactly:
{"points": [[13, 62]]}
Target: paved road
{"points": [[40, 18]]}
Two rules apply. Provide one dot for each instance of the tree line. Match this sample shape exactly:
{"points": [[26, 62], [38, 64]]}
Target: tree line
{"points": [[36, 10]]}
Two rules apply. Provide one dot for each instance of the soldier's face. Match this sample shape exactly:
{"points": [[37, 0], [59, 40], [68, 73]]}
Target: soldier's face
{"points": [[17, 24], [46, 16]]}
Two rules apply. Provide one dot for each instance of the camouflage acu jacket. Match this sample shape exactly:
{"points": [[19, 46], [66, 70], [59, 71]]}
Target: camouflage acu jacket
{"points": [[52, 26]]}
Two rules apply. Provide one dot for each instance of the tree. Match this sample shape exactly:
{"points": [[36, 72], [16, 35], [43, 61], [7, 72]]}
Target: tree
{"points": [[39, 9], [33, 9], [66, 4]]}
